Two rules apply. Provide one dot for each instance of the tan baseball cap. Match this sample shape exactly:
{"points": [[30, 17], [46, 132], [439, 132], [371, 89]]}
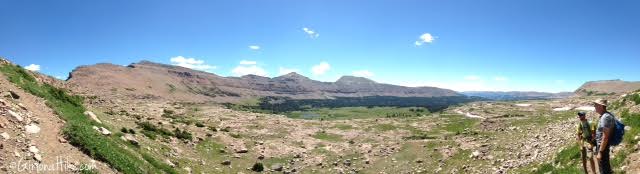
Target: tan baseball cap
{"points": [[602, 102]]}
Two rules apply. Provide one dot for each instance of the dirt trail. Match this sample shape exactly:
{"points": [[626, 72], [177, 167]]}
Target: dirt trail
{"points": [[33, 141]]}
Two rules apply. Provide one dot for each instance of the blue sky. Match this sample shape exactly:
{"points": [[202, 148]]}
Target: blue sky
{"points": [[541, 45]]}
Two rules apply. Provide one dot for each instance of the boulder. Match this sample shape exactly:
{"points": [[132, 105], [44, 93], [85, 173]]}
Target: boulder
{"points": [[32, 128], [242, 150], [169, 163], [5, 136], [476, 154], [129, 138], [10, 94], [276, 167], [62, 140], [15, 115], [33, 149], [22, 106], [37, 157], [226, 162], [92, 116], [102, 130]]}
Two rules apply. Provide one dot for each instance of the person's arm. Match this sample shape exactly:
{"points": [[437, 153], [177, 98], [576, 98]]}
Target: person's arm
{"points": [[605, 139]]}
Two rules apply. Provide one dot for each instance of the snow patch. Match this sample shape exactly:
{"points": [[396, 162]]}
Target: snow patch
{"points": [[586, 108], [566, 108]]}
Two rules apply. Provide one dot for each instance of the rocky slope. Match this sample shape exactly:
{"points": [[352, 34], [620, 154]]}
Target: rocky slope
{"points": [[31, 137], [148, 80], [607, 87]]}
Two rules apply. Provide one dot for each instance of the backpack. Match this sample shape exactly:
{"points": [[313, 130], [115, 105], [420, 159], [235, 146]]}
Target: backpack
{"points": [[618, 132]]}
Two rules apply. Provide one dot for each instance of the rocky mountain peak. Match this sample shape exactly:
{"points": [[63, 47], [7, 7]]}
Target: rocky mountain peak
{"points": [[292, 76], [353, 80]]}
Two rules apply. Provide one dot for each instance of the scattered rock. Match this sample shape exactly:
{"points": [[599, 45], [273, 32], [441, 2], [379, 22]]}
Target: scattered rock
{"points": [[242, 150], [102, 130], [10, 94], [92, 116], [37, 157], [130, 139], [5, 135], [276, 167], [169, 163], [476, 154], [15, 115], [33, 149], [62, 140], [22, 106], [32, 128]]}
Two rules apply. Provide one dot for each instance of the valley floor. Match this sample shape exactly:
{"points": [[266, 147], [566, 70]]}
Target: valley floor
{"points": [[229, 141]]}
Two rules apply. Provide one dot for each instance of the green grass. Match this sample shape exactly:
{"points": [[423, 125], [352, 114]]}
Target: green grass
{"points": [[567, 161], [635, 98], [78, 128], [633, 121], [384, 127], [327, 136], [157, 164], [343, 126], [358, 113]]}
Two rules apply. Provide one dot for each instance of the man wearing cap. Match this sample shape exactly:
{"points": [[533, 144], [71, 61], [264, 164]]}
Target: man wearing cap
{"points": [[606, 125], [585, 132]]}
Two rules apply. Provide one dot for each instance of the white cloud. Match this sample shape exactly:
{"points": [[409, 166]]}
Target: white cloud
{"points": [[249, 67], [320, 68], [472, 78], [248, 62], [500, 78], [283, 71], [191, 63], [363, 73], [33, 67], [424, 38], [311, 33], [254, 47]]}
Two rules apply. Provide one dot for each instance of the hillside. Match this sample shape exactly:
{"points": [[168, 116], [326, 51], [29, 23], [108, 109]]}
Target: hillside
{"points": [[148, 80], [603, 87], [130, 133]]}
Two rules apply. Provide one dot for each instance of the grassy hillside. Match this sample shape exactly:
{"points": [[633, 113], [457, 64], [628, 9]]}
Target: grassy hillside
{"points": [[79, 128]]}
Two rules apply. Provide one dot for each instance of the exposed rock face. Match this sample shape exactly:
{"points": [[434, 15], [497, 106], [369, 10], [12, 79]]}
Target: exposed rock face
{"points": [[148, 80], [607, 87]]}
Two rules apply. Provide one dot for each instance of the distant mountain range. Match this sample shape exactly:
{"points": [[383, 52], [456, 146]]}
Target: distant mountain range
{"points": [[517, 95], [607, 87], [153, 80]]}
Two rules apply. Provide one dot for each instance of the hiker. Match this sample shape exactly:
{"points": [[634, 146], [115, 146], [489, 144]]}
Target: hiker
{"points": [[606, 127], [585, 132]]}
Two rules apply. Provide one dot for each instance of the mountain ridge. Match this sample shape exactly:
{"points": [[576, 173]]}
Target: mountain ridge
{"points": [[147, 79], [605, 87]]}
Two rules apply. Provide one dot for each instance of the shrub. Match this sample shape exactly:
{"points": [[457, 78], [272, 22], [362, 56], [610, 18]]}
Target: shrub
{"points": [[182, 134], [131, 131], [257, 167]]}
